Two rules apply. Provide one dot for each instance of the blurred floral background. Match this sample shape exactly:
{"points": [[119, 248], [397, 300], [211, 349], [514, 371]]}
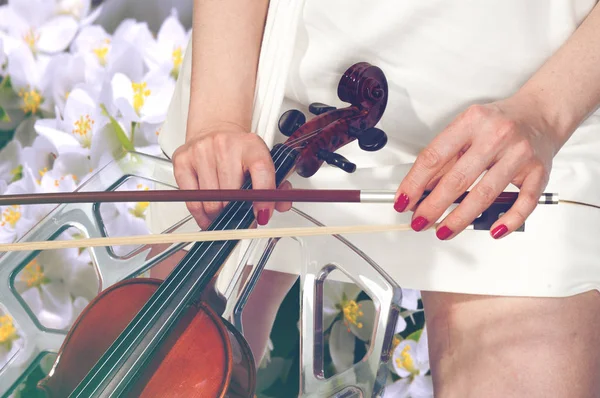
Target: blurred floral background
{"points": [[80, 82]]}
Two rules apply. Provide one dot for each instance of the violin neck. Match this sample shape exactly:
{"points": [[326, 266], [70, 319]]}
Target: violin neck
{"points": [[117, 370]]}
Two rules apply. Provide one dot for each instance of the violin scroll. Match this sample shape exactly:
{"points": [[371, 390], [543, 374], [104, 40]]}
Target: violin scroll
{"points": [[365, 88]]}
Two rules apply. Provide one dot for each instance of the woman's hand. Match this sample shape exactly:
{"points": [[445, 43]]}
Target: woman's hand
{"points": [[218, 158], [509, 139]]}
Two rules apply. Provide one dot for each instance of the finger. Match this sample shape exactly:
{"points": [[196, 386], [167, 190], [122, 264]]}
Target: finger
{"points": [[479, 198], [452, 185], [257, 160], [284, 206], [206, 170], [429, 163], [529, 195], [186, 178]]}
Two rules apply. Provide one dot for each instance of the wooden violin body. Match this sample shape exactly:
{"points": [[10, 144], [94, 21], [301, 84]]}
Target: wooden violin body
{"points": [[203, 357]]}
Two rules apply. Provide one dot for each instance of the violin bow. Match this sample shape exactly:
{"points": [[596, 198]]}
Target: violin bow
{"points": [[265, 195]]}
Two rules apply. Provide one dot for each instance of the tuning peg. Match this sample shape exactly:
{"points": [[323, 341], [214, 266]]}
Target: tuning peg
{"points": [[336, 160], [290, 121], [372, 139], [317, 108]]}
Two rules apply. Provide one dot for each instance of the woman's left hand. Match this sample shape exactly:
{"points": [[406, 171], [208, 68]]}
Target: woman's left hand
{"points": [[509, 140]]}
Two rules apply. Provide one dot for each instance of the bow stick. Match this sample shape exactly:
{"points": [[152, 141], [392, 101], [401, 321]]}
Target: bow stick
{"points": [[227, 195]]}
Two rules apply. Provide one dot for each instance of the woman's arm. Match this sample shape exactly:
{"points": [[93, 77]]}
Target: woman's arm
{"points": [[566, 89], [218, 149], [513, 141], [226, 41]]}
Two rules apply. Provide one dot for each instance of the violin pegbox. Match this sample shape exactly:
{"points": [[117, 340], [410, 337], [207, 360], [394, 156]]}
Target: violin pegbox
{"points": [[365, 88]]}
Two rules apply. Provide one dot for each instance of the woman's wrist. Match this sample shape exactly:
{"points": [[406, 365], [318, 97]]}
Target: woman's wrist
{"points": [[556, 119], [195, 130]]}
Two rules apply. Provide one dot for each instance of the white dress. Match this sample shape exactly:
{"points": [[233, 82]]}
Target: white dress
{"points": [[438, 57]]}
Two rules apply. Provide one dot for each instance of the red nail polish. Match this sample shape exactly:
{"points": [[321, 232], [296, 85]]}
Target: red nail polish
{"points": [[443, 233], [262, 217], [499, 231], [401, 203], [419, 223]]}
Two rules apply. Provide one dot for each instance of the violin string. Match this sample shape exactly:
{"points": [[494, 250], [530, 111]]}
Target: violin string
{"points": [[180, 269]]}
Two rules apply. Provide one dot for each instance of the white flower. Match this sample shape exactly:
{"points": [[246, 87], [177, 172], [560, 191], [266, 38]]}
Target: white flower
{"points": [[57, 285], [75, 131], [35, 24], [126, 219], [357, 319], [29, 80], [169, 47], [146, 100], [411, 363], [11, 162], [105, 55], [16, 220]]}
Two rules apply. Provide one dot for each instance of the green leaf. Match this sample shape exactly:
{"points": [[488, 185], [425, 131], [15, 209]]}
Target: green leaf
{"points": [[121, 135], [415, 336], [3, 115]]}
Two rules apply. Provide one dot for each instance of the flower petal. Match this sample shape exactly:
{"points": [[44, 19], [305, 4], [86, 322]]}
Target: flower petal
{"points": [[410, 299], [341, 347], [35, 12], [421, 387], [398, 389], [22, 68], [57, 34]]}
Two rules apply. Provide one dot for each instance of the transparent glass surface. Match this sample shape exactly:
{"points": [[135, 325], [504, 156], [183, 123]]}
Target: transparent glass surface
{"points": [[313, 258]]}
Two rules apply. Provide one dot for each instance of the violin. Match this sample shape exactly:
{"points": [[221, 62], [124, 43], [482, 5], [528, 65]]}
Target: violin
{"points": [[162, 339]]}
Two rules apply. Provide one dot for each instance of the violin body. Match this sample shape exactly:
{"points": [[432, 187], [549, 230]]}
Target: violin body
{"points": [[204, 356]]}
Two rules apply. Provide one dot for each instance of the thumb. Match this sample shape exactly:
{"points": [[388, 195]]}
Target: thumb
{"points": [[257, 160]]}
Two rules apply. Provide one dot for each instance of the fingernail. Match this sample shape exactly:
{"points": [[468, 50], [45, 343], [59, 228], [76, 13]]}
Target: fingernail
{"points": [[419, 223], [401, 203], [262, 217], [443, 233], [499, 231]]}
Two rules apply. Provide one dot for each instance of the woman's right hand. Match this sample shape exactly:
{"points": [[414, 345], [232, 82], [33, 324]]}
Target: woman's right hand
{"points": [[219, 158]]}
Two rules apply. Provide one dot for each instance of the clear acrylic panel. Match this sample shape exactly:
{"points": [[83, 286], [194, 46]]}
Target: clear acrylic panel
{"points": [[313, 258]]}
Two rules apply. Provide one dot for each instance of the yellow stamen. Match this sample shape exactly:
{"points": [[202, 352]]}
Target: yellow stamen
{"points": [[352, 313], [140, 92], [406, 361], [8, 332], [31, 38], [33, 274], [139, 209], [11, 216], [32, 100], [177, 57], [83, 127], [101, 52]]}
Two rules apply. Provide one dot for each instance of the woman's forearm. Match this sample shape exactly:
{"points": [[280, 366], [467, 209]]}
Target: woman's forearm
{"points": [[226, 43], [567, 86]]}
